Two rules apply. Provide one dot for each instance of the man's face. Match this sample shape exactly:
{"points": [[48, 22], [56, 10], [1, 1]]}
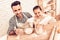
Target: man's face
{"points": [[17, 10], [37, 12]]}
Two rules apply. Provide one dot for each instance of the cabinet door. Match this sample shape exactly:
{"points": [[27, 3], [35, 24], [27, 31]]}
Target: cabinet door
{"points": [[48, 6]]}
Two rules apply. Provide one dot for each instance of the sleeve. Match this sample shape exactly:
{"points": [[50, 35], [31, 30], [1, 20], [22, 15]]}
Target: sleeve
{"points": [[45, 20], [12, 24], [52, 20], [28, 14]]}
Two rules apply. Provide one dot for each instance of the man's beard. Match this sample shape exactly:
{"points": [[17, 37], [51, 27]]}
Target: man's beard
{"points": [[19, 14]]}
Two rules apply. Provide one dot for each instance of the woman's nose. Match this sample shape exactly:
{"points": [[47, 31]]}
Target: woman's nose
{"points": [[18, 12]]}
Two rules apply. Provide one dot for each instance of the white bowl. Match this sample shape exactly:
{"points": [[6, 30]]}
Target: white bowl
{"points": [[39, 30], [28, 30]]}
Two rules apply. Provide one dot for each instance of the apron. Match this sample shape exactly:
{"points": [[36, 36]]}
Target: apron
{"points": [[19, 25], [26, 29]]}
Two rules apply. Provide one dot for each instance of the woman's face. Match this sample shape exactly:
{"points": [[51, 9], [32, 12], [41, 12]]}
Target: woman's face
{"points": [[37, 12]]}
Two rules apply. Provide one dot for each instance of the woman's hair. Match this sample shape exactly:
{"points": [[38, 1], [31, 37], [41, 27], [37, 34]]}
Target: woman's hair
{"points": [[36, 7]]}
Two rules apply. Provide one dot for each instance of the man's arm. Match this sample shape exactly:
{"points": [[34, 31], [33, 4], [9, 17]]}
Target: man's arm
{"points": [[12, 24]]}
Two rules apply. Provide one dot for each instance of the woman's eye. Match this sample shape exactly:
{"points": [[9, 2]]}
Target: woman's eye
{"points": [[15, 10], [18, 9]]}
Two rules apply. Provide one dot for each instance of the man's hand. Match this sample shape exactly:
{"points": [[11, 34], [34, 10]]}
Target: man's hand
{"points": [[19, 31], [12, 32]]}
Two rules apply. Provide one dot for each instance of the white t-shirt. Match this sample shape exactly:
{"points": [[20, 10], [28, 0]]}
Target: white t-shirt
{"points": [[43, 21]]}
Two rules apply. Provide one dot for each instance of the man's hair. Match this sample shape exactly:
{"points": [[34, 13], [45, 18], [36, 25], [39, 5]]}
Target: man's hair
{"points": [[36, 7], [15, 3]]}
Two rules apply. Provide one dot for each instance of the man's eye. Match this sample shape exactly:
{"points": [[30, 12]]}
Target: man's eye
{"points": [[15, 10], [18, 9], [35, 13]]}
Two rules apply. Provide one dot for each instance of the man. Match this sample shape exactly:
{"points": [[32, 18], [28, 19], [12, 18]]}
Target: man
{"points": [[19, 17]]}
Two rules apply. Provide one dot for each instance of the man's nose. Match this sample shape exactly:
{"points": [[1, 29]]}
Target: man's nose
{"points": [[18, 12], [37, 14]]}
